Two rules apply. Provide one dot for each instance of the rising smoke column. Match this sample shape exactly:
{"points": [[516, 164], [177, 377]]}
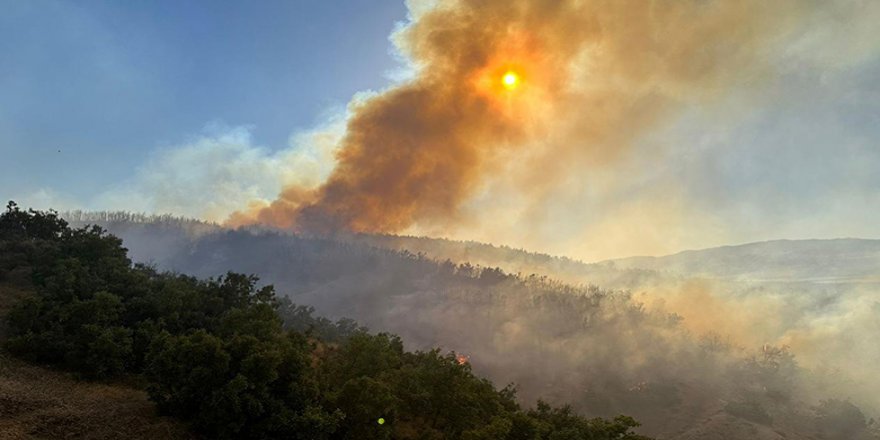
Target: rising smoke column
{"points": [[591, 77]]}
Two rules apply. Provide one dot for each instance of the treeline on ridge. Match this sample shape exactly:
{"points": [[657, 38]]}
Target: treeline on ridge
{"points": [[236, 361]]}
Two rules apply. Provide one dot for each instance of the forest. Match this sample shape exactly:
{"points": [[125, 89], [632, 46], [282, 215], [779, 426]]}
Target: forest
{"points": [[685, 357], [235, 360]]}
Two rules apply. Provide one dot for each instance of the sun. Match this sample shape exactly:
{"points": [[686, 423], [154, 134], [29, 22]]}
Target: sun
{"points": [[510, 80]]}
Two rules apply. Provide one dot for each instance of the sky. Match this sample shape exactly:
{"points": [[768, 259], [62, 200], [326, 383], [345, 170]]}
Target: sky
{"points": [[205, 109], [109, 82]]}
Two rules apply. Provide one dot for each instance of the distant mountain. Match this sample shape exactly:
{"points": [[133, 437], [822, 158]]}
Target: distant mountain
{"points": [[514, 260], [819, 261], [834, 261]]}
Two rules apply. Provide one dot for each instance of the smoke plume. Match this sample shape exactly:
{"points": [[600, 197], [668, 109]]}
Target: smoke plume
{"points": [[592, 76]]}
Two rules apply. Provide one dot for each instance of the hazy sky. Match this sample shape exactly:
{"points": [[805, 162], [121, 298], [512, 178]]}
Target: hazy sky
{"points": [[198, 108], [109, 82]]}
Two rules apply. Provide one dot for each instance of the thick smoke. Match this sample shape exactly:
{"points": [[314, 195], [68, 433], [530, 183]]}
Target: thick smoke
{"points": [[594, 76]]}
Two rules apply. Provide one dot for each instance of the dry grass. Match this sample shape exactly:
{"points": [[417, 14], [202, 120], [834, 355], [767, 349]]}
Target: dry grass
{"points": [[39, 403]]}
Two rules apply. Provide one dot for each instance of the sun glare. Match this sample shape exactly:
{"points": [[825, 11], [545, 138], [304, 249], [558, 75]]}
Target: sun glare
{"points": [[510, 80]]}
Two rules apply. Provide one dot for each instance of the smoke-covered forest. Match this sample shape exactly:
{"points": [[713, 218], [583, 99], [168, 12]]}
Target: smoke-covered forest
{"points": [[626, 349], [234, 360]]}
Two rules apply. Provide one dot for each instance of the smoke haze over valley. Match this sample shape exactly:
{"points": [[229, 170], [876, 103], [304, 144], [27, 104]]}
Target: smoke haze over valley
{"points": [[747, 350]]}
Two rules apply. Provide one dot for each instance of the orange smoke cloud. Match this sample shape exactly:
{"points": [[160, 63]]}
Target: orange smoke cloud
{"points": [[590, 77]]}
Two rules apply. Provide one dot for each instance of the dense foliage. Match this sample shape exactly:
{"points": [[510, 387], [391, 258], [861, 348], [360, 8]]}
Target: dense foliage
{"points": [[218, 353]]}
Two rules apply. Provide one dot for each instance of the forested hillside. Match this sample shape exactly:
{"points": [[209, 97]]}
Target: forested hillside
{"points": [[675, 366], [797, 261], [235, 361]]}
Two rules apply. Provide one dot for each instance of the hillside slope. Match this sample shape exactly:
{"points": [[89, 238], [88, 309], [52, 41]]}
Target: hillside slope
{"points": [[602, 350], [39, 403], [234, 360]]}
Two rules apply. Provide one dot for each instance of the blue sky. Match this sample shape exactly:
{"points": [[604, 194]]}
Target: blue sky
{"points": [[107, 82]]}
